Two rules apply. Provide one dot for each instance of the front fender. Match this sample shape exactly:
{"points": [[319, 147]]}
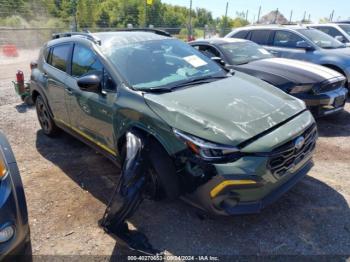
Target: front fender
{"points": [[132, 112]]}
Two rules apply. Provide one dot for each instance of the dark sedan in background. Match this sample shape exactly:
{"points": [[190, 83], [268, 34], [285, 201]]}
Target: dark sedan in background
{"points": [[322, 89], [15, 242]]}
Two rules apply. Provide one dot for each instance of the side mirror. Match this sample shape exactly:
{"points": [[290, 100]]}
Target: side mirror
{"points": [[305, 45], [340, 38], [218, 60], [90, 83]]}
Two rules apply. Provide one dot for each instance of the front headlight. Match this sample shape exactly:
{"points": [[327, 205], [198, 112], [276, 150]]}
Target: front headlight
{"points": [[300, 89], [207, 150], [3, 169]]}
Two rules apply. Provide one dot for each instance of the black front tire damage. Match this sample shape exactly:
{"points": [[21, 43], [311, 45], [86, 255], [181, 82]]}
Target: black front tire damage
{"points": [[162, 179], [165, 170], [46, 122]]}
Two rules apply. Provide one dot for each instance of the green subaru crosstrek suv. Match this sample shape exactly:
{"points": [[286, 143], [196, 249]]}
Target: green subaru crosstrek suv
{"points": [[225, 142]]}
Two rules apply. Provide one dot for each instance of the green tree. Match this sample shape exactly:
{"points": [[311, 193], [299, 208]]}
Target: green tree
{"points": [[103, 19]]}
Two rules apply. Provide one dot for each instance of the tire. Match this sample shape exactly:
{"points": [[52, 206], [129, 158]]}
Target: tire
{"points": [[27, 255], [46, 122], [163, 171], [161, 175]]}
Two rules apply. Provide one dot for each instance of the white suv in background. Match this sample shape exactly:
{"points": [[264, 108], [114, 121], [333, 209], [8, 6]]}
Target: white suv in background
{"points": [[339, 31]]}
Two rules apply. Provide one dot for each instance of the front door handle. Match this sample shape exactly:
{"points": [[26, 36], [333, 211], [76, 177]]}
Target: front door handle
{"points": [[69, 91]]}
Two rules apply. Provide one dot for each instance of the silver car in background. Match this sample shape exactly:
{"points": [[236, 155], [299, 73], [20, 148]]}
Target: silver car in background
{"points": [[301, 43], [339, 31]]}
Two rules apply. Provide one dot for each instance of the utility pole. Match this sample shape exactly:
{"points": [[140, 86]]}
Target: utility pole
{"points": [[225, 20], [331, 17], [304, 17], [276, 16], [145, 22], [290, 17], [190, 23], [309, 19], [259, 15], [74, 12], [246, 15]]}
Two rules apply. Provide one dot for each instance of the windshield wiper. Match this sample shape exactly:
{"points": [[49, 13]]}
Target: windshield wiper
{"points": [[334, 47], [163, 89], [154, 89], [200, 80]]}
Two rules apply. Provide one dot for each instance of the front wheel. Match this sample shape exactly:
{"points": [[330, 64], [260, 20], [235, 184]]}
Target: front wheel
{"points": [[46, 122]]}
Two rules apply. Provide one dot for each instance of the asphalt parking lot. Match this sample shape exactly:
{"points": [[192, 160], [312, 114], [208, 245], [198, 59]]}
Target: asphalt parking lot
{"points": [[67, 185]]}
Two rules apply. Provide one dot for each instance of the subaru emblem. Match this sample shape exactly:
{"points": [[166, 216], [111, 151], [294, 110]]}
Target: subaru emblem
{"points": [[299, 142]]}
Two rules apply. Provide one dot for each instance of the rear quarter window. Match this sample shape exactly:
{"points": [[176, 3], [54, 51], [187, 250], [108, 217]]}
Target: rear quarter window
{"points": [[59, 56], [241, 34]]}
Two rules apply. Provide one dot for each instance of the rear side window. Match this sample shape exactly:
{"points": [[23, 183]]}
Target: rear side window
{"points": [[241, 34], [260, 37], [286, 39], [59, 56], [85, 62]]}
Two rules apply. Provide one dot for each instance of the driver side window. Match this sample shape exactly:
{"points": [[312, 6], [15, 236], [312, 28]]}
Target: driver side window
{"points": [[85, 62], [286, 39]]}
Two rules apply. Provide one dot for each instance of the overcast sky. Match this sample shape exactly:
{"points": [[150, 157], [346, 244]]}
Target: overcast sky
{"points": [[317, 9]]}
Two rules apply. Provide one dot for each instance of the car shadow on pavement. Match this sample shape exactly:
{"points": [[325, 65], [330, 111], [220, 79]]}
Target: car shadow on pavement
{"points": [[312, 218], [337, 125]]}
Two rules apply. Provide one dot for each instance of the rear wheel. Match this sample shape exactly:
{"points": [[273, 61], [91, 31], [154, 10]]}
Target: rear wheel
{"points": [[46, 122]]}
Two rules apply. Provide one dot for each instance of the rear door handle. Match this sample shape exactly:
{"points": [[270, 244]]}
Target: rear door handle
{"points": [[69, 91], [273, 52]]}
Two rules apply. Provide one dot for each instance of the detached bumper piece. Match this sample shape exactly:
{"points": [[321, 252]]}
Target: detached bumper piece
{"points": [[128, 195]]}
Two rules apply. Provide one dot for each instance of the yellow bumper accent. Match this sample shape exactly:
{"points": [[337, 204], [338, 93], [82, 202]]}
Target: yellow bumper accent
{"points": [[3, 169], [217, 189], [109, 150]]}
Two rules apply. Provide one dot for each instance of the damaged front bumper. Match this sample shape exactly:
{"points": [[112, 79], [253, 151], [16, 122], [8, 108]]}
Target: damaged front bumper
{"points": [[325, 103], [244, 194], [257, 179]]}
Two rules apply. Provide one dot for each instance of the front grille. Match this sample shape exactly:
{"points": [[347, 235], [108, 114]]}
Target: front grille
{"points": [[329, 86], [288, 155]]}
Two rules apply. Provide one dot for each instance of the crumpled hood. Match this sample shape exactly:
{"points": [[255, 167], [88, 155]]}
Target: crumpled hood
{"points": [[298, 72], [227, 111]]}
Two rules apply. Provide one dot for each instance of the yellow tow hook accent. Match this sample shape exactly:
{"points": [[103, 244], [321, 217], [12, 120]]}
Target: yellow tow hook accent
{"points": [[217, 189]]}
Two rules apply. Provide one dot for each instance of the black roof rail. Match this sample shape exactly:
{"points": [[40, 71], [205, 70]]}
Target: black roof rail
{"points": [[88, 36], [151, 30]]}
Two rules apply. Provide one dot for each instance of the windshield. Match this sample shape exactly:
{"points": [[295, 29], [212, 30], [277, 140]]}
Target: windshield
{"points": [[244, 52], [161, 63], [346, 28], [321, 39]]}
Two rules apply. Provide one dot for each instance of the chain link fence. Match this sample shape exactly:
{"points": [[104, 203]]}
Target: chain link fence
{"points": [[31, 38]]}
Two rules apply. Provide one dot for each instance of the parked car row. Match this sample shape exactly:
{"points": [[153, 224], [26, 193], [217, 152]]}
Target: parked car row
{"points": [[322, 89], [229, 142], [300, 43]]}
